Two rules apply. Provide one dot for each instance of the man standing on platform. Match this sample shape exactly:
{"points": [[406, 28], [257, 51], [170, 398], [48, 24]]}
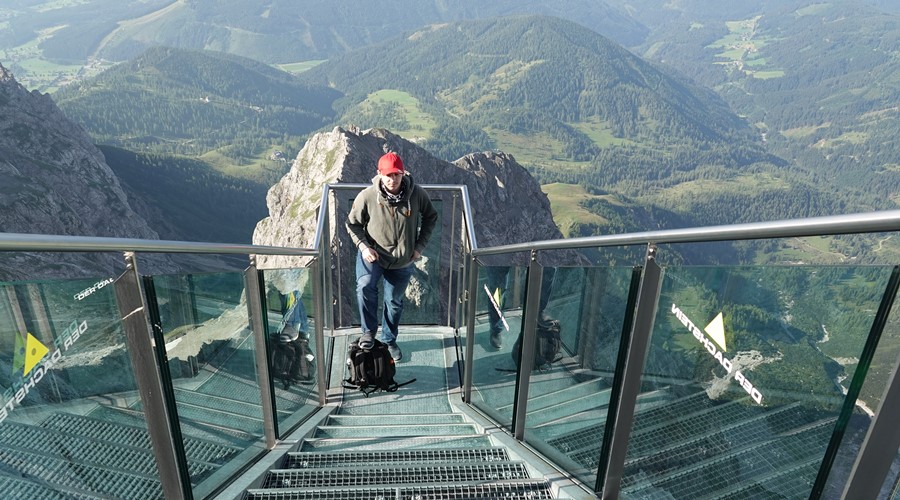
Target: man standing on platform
{"points": [[390, 224]]}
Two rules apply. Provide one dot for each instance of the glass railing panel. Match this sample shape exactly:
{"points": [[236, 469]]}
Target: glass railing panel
{"points": [[871, 392], [212, 361], [425, 301], [71, 422], [569, 392], [747, 370], [891, 487], [498, 301], [290, 325]]}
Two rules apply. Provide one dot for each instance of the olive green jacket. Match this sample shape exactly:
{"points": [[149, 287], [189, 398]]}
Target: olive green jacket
{"points": [[393, 231]]}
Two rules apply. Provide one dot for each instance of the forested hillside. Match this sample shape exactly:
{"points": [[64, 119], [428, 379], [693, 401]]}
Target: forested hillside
{"points": [[571, 105], [538, 78], [184, 199], [48, 43], [796, 134], [574, 108], [820, 80], [227, 110]]}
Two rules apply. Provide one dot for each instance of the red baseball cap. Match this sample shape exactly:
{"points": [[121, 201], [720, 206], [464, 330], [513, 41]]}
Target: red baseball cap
{"points": [[390, 163]]}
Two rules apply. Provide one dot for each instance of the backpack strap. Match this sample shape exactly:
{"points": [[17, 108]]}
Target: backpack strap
{"points": [[397, 386]]}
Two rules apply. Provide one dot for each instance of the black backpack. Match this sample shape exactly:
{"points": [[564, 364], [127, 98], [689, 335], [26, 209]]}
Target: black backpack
{"points": [[289, 361], [548, 344], [371, 369]]}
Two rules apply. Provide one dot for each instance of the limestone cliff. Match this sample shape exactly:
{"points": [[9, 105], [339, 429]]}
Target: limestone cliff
{"points": [[53, 180]]}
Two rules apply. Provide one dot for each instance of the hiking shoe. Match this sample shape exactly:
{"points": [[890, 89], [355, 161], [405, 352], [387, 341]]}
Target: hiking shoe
{"points": [[366, 341], [395, 351], [496, 339]]}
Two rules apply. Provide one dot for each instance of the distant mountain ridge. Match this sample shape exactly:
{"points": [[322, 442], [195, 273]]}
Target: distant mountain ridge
{"points": [[566, 101], [554, 68], [191, 102], [275, 31]]}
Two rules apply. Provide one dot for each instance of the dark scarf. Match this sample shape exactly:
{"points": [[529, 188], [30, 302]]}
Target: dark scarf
{"points": [[393, 199]]}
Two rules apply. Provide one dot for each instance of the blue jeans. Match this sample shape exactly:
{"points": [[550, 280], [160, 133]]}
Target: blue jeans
{"points": [[395, 281], [498, 277]]}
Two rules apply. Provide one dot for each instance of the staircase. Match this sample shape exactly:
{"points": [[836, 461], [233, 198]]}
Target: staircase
{"points": [[407, 444], [417, 456]]}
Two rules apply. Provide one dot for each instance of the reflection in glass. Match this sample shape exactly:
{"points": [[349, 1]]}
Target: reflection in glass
{"points": [[71, 419], [569, 396], [211, 359], [291, 343], [499, 298], [745, 379]]}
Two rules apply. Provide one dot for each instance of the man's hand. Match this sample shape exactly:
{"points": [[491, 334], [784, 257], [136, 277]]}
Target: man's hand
{"points": [[416, 255], [369, 254]]}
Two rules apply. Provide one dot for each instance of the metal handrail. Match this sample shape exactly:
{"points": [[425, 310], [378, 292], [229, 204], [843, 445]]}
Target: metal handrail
{"points": [[868, 222], [25, 242], [28, 242]]}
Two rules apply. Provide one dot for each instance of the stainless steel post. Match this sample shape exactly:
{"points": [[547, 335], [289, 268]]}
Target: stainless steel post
{"points": [[140, 343], [645, 315], [529, 340], [254, 288]]}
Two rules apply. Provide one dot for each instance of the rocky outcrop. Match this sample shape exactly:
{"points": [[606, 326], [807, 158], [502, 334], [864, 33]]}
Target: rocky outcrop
{"points": [[508, 205], [53, 180]]}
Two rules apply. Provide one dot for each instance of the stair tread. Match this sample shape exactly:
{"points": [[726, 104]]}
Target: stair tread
{"points": [[315, 459], [346, 444], [532, 489], [458, 429]]}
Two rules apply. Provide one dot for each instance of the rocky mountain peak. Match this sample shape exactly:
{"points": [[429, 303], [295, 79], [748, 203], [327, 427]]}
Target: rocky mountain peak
{"points": [[508, 204], [5, 75]]}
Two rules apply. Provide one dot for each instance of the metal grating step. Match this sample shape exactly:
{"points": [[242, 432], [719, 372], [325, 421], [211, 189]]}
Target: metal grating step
{"points": [[214, 402], [92, 428], [593, 389], [408, 430], [18, 487], [395, 474], [197, 430], [717, 441], [382, 444], [85, 450], [509, 490], [379, 420], [220, 418], [790, 482], [758, 460], [585, 405], [646, 439], [83, 477], [302, 460], [663, 413]]}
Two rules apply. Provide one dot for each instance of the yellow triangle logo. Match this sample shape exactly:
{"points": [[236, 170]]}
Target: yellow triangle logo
{"points": [[716, 331], [34, 353]]}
